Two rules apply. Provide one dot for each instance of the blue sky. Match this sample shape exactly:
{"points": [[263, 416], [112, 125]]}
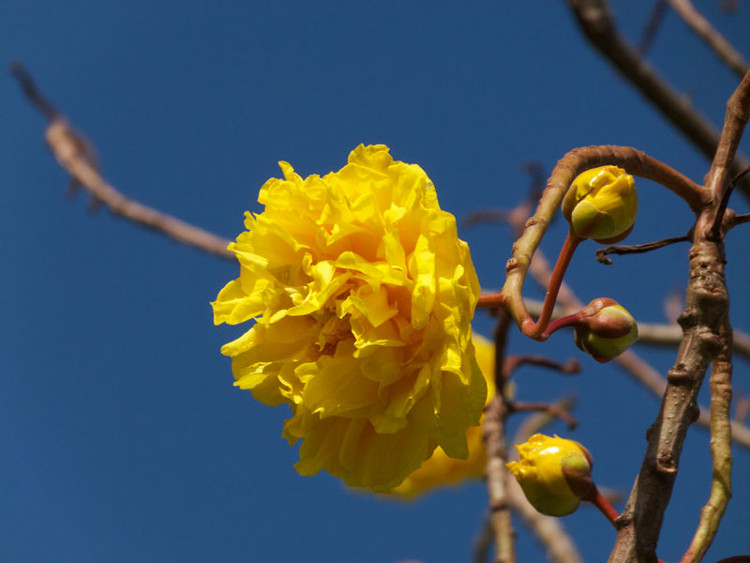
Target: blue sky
{"points": [[123, 438]]}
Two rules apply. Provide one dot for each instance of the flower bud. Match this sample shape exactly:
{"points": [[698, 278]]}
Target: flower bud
{"points": [[554, 473], [605, 329], [601, 204]]}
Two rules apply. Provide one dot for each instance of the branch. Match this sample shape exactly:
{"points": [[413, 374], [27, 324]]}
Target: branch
{"points": [[483, 543], [493, 433], [703, 28], [738, 220], [721, 450], [671, 334], [601, 253], [512, 363], [735, 119], [534, 423], [706, 308], [651, 379], [552, 410], [652, 26], [632, 363], [597, 23], [568, 167], [73, 154]]}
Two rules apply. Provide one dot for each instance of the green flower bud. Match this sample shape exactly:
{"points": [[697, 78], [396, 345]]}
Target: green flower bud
{"points": [[605, 330], [554, 473], [601, 204]]}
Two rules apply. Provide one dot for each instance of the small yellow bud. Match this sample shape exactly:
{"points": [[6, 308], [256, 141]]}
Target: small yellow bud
{"points": [[554, 473], [601, 204], [607, 331]]}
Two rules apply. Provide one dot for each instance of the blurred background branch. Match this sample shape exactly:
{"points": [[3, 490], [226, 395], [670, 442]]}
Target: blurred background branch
{"points": [[598, 25]]}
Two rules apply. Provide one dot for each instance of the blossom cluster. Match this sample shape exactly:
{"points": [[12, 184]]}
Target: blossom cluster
{"points": [[361, 295]]}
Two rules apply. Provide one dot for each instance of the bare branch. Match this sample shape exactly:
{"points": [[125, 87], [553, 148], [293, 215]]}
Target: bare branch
{"points": [[601, 253], [703, 28], [652, 26], [493, 433], [656, 334], [721, 450], [512, 363], [534, 423], [597, 23], [706, 308], [741, 408], [70, 150], [32, 93], [483, 543], [739, 220], [738, 111], [551, 409]]}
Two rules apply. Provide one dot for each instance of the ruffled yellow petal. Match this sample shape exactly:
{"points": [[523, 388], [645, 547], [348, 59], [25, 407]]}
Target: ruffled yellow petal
{"points": [[362, 295], [440, 469]]}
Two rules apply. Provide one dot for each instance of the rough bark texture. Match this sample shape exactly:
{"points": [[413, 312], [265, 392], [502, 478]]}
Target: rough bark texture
{"points": [[705, 328], [705, 309]]}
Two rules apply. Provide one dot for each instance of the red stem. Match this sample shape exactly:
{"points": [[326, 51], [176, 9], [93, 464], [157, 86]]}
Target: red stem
{"points": [[604, 506], [563, 322], [536, 329], [491, 301]]}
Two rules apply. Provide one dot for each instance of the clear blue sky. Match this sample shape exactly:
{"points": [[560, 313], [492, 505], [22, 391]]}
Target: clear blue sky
{"points": [[121, 434]]}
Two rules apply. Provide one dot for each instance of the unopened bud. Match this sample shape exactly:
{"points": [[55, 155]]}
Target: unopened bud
{"points": [[605, 330], [554, 473], [601, 204]]}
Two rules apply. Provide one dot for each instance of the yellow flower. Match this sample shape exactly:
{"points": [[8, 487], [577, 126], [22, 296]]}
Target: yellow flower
{"points": [[362, 295], [440, 470], [601, 204], [606, 331], [554, 473]]}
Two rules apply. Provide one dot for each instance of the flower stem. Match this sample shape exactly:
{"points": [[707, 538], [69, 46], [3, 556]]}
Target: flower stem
{"points": [[604, 506], [491, 301], [536, 329]]}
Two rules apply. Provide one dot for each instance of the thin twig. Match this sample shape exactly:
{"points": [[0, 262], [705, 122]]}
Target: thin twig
{"points": [[633, 364], [493, 433], [740, 220], [483, 543], [656, 334], [601, 253], [724, 219], [652, 26], [741, 408], [520, 212], [485, 216], [552, 409], [735, 120], [703, 28], [597, 23], [70, 150], [32, 93], [534, 423], [671, 334], [512, 363]]}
